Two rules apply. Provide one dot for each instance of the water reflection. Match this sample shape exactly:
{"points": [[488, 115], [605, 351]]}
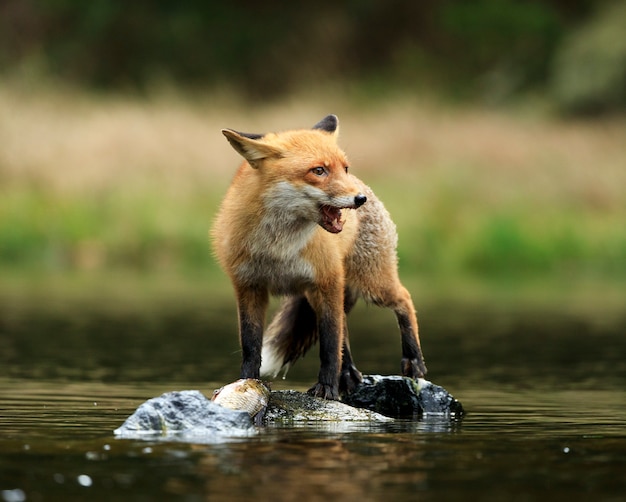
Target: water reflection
{"points": [[315, 469]]}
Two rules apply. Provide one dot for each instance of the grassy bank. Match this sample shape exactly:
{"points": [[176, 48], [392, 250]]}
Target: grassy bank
{"points": [[97, 183]]}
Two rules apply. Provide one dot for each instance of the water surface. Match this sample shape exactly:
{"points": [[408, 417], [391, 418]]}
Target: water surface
{"points": [[544, 394]]}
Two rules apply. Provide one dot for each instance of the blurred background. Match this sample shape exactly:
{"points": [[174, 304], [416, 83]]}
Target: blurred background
{"points": [[494, 131]]}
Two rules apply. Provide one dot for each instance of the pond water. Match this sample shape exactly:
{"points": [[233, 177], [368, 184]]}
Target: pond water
{"points": [[544, 395]]}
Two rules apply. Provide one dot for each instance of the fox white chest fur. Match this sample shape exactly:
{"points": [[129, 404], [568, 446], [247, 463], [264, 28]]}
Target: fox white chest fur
{"points": [[274, 246]]}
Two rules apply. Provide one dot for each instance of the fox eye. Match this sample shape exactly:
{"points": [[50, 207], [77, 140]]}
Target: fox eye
{"points": [[318, 171], [346, 169]]}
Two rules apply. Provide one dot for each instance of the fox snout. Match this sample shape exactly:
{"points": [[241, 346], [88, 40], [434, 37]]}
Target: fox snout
{"points": [[331, 216], [359, 200]]}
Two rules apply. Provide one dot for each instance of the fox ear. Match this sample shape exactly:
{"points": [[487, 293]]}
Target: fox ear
{"points": [[250, 147], [330, 124]]}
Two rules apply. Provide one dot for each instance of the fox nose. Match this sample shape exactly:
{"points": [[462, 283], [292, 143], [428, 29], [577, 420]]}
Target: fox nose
{"points": [[359, 200]]}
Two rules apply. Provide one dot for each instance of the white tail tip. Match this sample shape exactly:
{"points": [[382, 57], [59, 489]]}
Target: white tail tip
{"points": [[271, 363]]}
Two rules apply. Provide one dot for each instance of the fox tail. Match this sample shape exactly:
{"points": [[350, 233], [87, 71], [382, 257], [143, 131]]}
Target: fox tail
{"points": [[292, 332]]}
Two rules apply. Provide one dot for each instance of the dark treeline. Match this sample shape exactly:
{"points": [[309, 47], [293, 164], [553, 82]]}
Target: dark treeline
{"points": [[270, 47]]}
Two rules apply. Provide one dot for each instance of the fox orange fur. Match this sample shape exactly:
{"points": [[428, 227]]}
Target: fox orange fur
{"points": [[296, 223]]}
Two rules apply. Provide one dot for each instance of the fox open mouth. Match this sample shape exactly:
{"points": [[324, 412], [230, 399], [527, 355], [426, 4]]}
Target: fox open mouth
{"points": [[331, 219]]}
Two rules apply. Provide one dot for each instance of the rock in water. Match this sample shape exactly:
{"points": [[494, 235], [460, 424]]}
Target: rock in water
{"points": [[403, 397], [247, 394], [189, 416], [293, 406], [185, 415]]}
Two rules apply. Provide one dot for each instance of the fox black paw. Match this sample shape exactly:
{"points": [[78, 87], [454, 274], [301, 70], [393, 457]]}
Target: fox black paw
{"points": [[349, 379], [413, 368], [324, 391]]}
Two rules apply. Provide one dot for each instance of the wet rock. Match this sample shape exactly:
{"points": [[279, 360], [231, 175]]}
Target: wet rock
{"points": [[190, 416], [291, 405], [402, 397], [246, 394], [185, 415]]}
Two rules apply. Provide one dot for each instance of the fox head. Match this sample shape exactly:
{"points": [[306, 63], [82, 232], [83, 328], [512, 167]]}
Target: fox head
{"points": [[303, 171]]}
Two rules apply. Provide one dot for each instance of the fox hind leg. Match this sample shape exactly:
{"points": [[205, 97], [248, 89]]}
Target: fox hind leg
{"points": [[412, 363]]}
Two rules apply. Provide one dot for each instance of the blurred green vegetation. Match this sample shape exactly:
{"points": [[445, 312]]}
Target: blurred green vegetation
{"points": [[140, 229], [590, 65], [491, 49], [146, 229]]}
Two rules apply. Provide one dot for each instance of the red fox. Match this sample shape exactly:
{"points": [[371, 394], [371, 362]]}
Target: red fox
{"points": [[296, 223]]}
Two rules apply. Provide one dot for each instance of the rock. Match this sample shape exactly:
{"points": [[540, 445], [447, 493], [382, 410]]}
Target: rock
{"points": [[246, 394], [291, 405], [190, 416], [403, 397], [185, 415]]}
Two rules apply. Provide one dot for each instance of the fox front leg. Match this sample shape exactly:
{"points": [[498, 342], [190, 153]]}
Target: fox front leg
{"points": [[350, 377], [251, 306], [330, 326]]}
